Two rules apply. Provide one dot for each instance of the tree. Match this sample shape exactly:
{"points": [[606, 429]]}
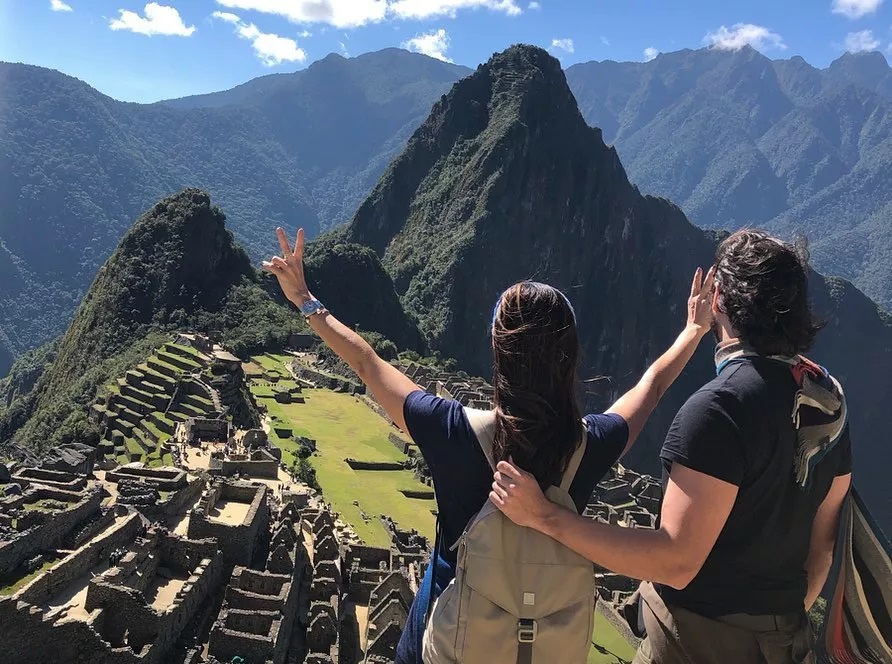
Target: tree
{"points": [[304, 472]]}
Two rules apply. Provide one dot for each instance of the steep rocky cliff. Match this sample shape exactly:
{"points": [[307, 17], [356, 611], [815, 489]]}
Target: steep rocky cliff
{"points": [[505, 181]]}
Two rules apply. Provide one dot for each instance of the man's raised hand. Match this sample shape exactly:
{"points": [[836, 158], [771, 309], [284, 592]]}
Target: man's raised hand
{"points": [[289, 268]]}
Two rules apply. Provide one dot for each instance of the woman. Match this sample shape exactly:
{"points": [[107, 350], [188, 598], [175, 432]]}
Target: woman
{"points": [[538, 423]]}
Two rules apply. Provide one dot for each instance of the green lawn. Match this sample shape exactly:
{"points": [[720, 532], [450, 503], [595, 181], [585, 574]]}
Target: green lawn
{"points": [[273, 362], [612, 647], [22, 582], [344, 427]]}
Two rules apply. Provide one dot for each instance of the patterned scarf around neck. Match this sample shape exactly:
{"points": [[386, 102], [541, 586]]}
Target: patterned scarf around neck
{"points": [[819, 407]]}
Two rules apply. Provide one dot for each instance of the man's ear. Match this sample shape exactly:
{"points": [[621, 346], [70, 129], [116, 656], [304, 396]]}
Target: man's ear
{"points": [[716, 309]]}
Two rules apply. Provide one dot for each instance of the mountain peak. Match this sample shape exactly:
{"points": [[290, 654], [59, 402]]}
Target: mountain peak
{"points": [[517, 103], [866, 59], [178, 258], [869, 69]]}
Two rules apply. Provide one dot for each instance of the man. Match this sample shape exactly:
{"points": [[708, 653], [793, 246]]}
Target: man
{"points": [[756, 467]]}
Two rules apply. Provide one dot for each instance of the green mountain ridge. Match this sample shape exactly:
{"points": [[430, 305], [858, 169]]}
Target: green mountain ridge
{"points": [[76, 167], [177, 268], [505, 181], [739, 139]]}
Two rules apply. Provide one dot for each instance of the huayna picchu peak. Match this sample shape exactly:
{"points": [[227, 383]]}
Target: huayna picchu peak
{"points": [[505, 181]]}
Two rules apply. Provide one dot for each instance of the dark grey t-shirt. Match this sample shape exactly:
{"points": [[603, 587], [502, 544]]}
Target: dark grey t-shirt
{"points": [[738, 428]]}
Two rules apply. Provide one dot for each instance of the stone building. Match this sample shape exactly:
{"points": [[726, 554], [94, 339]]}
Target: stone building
{"points": [[263, 610], [389, 605], [234, 514]]}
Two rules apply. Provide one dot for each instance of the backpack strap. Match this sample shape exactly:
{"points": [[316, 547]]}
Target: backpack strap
{"points": [[483, 424], [575, 461]]}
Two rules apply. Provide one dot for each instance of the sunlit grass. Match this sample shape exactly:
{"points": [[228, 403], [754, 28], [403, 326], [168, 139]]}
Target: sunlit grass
{"points": [[343, 427]]}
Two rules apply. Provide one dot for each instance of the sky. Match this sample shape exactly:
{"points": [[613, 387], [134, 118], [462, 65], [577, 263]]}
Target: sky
{"points": [[144, 52]]}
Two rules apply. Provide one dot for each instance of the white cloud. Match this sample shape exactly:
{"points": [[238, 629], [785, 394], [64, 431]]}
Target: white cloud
{"points": [[355, 13], [59, 6], [650, 53], [605, 41], [226, 16], [741, 34], [562, 45], [855, 8], [271, 49], [434, 43], [344, 50], [339, 13], [429, 8], [305, 34], [158, 20], [856, 42], [534, 6]]}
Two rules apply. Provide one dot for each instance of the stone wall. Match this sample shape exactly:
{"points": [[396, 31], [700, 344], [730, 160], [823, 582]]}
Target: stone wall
{"points": [[320, 379], [80, 562], [48, 535], [268, 468], [618, 622], [91, 529], [374, 465], [399, 443], [176, 503], [54, 478], [164, 479]]}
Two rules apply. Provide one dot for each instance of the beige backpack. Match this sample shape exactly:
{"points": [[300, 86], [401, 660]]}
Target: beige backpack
{"points": [[518, 596]]}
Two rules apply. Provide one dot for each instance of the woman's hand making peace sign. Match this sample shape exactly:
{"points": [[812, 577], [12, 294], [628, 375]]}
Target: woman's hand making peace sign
{"points": [[289, 268]]}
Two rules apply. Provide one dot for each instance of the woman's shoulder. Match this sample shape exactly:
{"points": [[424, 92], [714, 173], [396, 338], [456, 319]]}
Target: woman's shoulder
{"points": [[606, 427], [608, 434], [425, 411]]}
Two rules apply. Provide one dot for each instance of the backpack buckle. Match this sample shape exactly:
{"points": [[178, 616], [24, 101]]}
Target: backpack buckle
{"points": [[527, 630]]}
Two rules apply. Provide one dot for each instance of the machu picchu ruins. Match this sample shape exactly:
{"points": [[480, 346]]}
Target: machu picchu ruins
{"points": [[195, 532]]}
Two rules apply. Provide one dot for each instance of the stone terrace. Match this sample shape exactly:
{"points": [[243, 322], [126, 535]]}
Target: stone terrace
{"points": [[141, 409]]}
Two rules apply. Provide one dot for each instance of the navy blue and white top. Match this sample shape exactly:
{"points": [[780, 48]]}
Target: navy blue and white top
{"points": [[462, 479]]}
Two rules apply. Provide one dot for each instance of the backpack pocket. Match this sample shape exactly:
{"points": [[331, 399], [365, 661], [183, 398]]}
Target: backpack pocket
{"points": [[558, 597]]}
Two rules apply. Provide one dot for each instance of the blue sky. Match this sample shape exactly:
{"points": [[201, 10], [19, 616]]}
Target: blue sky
{"points": [[136, 51]]}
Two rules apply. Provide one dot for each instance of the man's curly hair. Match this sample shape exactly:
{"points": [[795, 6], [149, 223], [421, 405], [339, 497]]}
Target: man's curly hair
{"points": [[763, 290]]}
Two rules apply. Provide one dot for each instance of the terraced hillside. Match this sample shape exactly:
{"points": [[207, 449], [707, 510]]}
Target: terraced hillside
{"points": [[140, 410]]}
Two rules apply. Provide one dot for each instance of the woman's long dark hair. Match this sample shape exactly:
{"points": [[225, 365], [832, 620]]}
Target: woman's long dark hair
{"points": [[535, 352]]}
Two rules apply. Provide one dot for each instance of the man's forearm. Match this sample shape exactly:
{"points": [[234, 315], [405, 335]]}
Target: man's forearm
{"points": [[644, 554], [818, 568]]}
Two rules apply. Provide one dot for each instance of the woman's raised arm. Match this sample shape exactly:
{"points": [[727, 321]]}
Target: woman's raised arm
{"points": [[388, 384], [636, 405]]}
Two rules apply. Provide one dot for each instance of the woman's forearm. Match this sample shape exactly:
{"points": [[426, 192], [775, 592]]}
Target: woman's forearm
{"points": [[636, 405], [667, 368], [345, 343]]}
